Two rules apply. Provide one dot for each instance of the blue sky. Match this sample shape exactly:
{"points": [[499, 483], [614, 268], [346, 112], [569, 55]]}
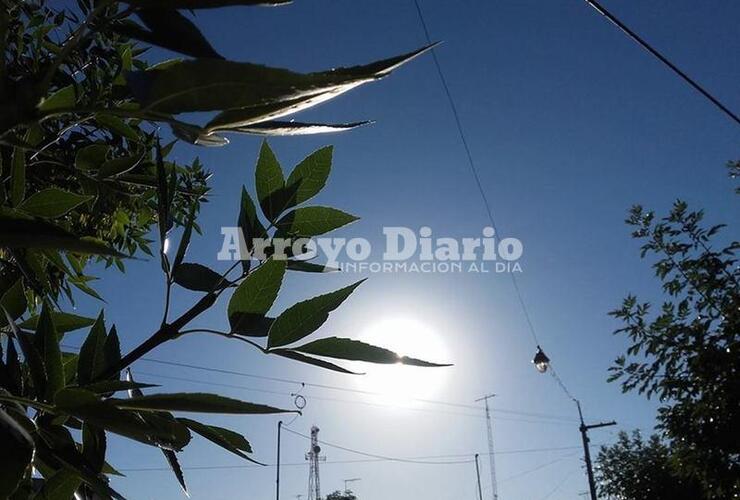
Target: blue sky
{"points": [[569, 122]]}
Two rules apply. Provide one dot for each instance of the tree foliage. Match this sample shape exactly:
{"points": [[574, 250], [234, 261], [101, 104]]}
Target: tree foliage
{"points": [[341, 495], [87, 178], [635, 469], [687, 353]]}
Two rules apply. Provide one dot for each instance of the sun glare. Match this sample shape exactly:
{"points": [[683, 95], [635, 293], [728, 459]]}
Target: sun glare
{"points": [[398, 384]]}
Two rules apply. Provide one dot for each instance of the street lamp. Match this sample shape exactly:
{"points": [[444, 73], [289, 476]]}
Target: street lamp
{"points": [[541, 361]]}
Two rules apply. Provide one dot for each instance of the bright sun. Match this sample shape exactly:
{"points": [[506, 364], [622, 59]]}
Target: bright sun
{"points": [[400, 384]]}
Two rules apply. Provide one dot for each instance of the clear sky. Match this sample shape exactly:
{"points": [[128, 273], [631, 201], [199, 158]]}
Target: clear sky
{"points": [[570, 123]]}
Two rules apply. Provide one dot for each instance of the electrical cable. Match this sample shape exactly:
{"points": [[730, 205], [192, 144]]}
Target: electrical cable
{"points": [[645, 45], [413, 460], [420, 459], [544, 418], [476, 176], [562, 418]]}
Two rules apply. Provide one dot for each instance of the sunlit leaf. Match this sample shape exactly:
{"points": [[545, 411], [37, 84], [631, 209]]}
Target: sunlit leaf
{"points": [[355, 350], [225, 438], [92, 354], [310, 175], [313, 221], [213, 84], [306, 317], [270, 183], [194, 402], [297, 356], [198, 277], [64, 322], [62, 98], [52, 202], [283, 128], [255, 295]]}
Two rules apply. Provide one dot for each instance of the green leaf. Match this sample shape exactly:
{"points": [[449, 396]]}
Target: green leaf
{"points": [[106, 386], [16, 456], [17, 176], [213, 84], [14, 302], [92, 353], [313, 221], [282, 128], [310, 175], [58, 446], [63, 98], [306, 317], [118, 166], [69, 360], [355, 350], [309, 267], [112, 350], [33, 360], [60, 486], [117, 126], [297, 356], [249, 221], [199, 278], [64, 322], [20, 231], [52, 202], [225, 438], [94, 445], [47, 344], [174, 464], [154, 430], [255, 295], [269, 182], [182, 248], [91, 157], [194, 402]]}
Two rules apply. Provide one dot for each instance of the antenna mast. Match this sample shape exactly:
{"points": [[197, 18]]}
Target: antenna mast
{"points": [[314, 485], [491, 459]]}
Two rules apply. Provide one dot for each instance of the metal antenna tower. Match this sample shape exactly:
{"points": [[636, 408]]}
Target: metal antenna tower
{"points": [[314, 484], [491, 459]]}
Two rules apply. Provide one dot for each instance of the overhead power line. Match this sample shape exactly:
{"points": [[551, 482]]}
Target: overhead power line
{"points": [[476, 178], [645, 45], [534, 415], [471, 162], [412, 460]]}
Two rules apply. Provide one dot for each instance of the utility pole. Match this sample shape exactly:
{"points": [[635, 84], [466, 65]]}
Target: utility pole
{"points": [[477, 473], [277, 478], [491, 459], [586, 451]]}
